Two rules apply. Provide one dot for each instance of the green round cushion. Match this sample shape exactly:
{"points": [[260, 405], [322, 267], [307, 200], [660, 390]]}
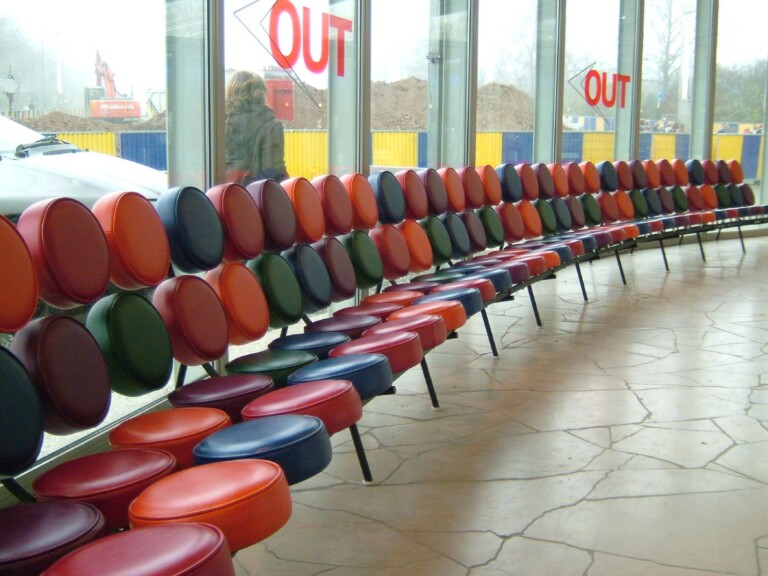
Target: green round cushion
{"points": [[369, 269], [281, 287], [134, 341], [679, 198], [638, 201], [442, 248], [494, 230], [723, 196], [277, 364], [591, 209]]}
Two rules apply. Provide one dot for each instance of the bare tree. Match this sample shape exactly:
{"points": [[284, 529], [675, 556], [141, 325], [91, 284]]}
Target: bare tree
{"points": [[663, 52]]}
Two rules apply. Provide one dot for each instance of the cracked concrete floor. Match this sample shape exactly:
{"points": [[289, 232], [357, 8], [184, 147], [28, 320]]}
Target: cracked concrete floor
{"points": [[627, 436]]}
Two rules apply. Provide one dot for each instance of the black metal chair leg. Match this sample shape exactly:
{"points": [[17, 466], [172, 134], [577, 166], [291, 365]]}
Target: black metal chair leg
{"points": [[489, 332], [621, 268], [741, 239], [701, 247], [664, 254], [430, 385], [534, 306], [362, 458], [581, 283]]}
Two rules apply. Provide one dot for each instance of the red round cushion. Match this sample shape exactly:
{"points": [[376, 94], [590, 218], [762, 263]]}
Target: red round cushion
{"points": [[430, 328], [402, 349], [18, 280], [241, 219]]}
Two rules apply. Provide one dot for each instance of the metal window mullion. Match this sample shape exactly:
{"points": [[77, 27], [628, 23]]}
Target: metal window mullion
{"points": [[630, 62], [703, 106], [550, 67]]}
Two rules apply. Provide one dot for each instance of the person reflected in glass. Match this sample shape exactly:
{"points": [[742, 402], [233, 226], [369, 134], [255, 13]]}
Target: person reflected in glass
{"points": [[255, 142]]}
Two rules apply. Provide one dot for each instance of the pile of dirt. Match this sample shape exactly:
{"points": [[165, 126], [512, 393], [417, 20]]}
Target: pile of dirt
{"points": [[400, 105]]}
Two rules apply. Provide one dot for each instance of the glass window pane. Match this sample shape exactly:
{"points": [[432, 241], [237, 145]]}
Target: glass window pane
{"points": [[505, 82], [591, 86]]}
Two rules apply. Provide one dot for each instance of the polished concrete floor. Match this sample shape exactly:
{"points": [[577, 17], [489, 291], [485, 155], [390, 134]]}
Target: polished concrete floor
{"points": [[627, 436]]}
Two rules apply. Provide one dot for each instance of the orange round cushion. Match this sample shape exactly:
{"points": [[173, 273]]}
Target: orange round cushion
{"points": [[18, 280], [194, 317], [551, 257], [511, 221], [451, 311], [364, 206], [393, 248], [681, 172], [608, 207], [416, 201], [666, 173], [624, 205], [402, 349], [241, 219], [222, 494], [419, 245], [401, 297], [336, 402], [140, 255], [695, 197], [484, 286], [652, 173], [591, 177], [454, 188], [491, 185], [310, 219], [709, 195], [474, 193], [337, 206], [245, 304], [559, 178], [576, 182], [176, 430], [528, 180], [430, 328], [737, 173], [69, 250], [531, 219]]}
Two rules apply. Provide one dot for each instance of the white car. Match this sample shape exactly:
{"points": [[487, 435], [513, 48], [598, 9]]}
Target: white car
{"points": [[35, 167]]}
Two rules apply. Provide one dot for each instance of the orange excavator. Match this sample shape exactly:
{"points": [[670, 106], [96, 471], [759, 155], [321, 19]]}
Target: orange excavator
{"points": [[104, 101]]}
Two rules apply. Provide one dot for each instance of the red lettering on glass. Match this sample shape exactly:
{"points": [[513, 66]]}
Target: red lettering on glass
{"points": [[596, 88], [285, 7], [592, 75], [315, 66]]}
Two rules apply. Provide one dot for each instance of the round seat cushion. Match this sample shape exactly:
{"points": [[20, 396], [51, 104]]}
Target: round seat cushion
{"points": [[562, 213], [576, 183], [135, 342], [30, 545], [624, 205], [499, 277], [471, 182], [576, 210], [241, 219], [378, 309], [624, 175], [460, 242], [418, 244], [528, 180], [335, 402], [353, 325], [180, 549], [389, 197], [18, 280], [736, 171], [227, 393], [451, 311], [439, 239], [697, 173], [482, 285], [69, 251], [401, 297], [310, 217], [470, 298], [369, 268], [281, 287], [277, 364], [370, 373], [413, 286], [337, 207], [108, 480], [245, 304], [365, 209], [454, 189], [339, 266], [194, 229], [489, 178], [403, 349], [609, 209], [609, 179], [176, 430], [546, 215], [138, 245], [317, 343], [277, 213], [299, 444], [544, 177], [531, 219], [559, 179], [653, 201], [494, 229], [511, 221], [639, 175], [312, 274], [665, 197], [592, 178], [222, 494], [652, 173], [441, 276], [517, 271], [478, 240], [393, 250], [639, 202], [430, 328], [511, 186], [437, 195], [414, 193]]}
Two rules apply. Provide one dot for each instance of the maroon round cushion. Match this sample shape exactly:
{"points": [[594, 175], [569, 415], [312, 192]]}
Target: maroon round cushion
{"points": [[393, 249], [353, 325], [228, 393], [108, 480], [379, 309], [180, 548], [415, 194], [335, 402], [340, 268], [277, 213], [30, 541], [69, 249], [402, 349]]}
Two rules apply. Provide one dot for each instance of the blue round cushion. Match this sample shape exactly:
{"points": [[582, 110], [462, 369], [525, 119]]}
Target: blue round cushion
{"points": [[609, 180], [644, 228], [389, 197], [370, 374], [458, 234], [499, 277], [194, 230], [511, 187], [469, 297], [313, 277], [318, 343], [298, 443]]}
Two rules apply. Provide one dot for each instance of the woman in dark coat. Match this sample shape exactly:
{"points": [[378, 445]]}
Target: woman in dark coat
{"points": [[255, 141]]}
